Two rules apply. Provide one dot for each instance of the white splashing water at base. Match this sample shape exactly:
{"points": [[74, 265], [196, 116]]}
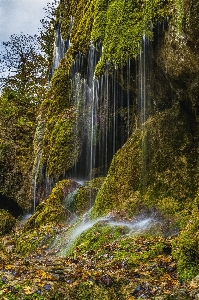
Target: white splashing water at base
{"points": [[64, 243]]}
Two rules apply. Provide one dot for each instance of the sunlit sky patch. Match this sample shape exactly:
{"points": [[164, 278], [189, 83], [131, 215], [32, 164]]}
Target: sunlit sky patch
{"points": [[18, 16]]}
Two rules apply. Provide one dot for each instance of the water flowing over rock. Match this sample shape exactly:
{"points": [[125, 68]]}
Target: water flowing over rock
{"points": [[116, 137]]}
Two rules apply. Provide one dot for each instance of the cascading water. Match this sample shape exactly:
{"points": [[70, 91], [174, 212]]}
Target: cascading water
{"points": [[144, 83], [145, 105], [60, 47], [65, 242], [103, 112]]}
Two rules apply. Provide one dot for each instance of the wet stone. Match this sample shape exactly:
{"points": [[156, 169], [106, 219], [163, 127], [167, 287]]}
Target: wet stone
{"points": [[4, 279], [106, 279], [56, 277], [137, 290], [38, 292], [58, 271], [47, 286]]}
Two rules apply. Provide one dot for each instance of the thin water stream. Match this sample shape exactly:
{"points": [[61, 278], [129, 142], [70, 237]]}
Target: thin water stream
{"points": [[64, 243]]}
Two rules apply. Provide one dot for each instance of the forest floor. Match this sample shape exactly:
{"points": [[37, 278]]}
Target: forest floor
{"points": [[138, 267]]}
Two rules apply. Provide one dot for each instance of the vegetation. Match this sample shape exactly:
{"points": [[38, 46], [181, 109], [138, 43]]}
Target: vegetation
{"points": [[85, 196], [17, 121], [7, 222], [155, 172], [40, 228], [23, 67]]}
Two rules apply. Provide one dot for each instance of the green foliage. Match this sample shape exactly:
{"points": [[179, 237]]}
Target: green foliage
{"points": [[22, 59], [17, 115]]}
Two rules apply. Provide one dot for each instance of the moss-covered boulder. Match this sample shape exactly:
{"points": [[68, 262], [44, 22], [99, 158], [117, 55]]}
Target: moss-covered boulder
{"points": [[123, 177], [85, 196], [186, 245], [52, 209], [41, 229], [7, 221], [155, 164]]}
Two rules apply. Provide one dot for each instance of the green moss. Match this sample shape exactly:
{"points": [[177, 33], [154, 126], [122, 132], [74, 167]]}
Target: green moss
{"points": [[186, 245], [40, 229], [153, 169], [168, 153], [52, 209], [123, 177], [64, 146], [86, 194], [118, 25], [61, 144], [30, 240], [126, 23], [96, 237], [7, 221]]}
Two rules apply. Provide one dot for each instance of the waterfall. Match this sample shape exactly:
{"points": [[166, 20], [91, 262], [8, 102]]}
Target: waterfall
{"points": [[145, 105], [103, 112], [103, 108], [60, 47], [35, 177], [65, 242], [142, 82]]}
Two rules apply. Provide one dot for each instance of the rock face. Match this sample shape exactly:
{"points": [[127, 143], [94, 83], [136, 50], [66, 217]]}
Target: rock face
{"points": [[166, 156], [156, 75]]}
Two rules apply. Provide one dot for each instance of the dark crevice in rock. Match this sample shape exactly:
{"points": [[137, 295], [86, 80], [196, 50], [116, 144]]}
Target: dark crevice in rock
{"points": [[10, 205]]}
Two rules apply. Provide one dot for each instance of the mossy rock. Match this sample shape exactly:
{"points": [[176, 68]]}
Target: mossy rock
{"points": [[155, 164], [123, 177], [169, 156], [85, 196], [52, 209], [40, 229], [7, 221], [61, 141], [186, 246], [96, 237], [30, 240]]}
